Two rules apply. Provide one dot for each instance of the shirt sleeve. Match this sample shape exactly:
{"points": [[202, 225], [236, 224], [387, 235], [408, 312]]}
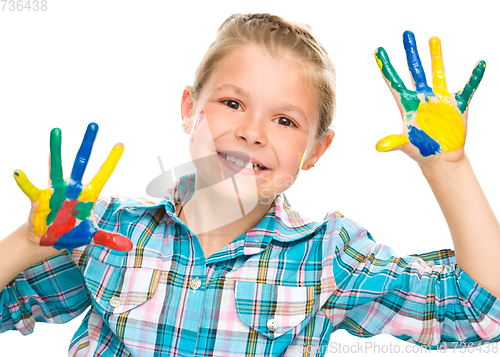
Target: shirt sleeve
{"points": [[53, 290], [50, 291], [425, 299]]}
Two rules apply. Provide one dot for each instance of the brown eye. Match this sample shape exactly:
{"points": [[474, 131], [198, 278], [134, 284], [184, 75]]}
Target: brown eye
{"points": [[232, 104], [284, 121]]}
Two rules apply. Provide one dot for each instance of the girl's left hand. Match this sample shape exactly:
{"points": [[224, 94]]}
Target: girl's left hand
{"points": [[435, 121]]}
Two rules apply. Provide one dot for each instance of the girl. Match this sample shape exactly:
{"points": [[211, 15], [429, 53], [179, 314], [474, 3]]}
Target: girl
{"points": [[270, 282]]}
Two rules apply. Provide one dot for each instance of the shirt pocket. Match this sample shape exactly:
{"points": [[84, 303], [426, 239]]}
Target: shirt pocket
{"points": [[273, 310], [120, 289]]}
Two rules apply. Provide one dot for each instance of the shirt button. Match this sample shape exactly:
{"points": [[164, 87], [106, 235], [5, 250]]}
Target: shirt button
{"points": [[272, 325], [195, 283], [115, 301]]}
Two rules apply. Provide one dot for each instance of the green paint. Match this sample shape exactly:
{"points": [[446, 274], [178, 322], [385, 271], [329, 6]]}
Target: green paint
{"points": [[83, 210], [409, 99], [463, 97], [56, 200], [16, 173], [56, 174]]}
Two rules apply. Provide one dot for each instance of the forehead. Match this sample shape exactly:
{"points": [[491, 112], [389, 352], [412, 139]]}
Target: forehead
{"points": [[256, 72]]}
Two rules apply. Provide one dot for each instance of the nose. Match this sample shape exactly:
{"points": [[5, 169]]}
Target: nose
{"points": [[251, 130]]}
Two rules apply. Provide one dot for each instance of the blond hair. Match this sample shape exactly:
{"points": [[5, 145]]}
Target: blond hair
{"points": [[279, 37]]}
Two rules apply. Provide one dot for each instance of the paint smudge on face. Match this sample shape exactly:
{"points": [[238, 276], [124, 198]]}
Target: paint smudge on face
{"points": [[301, 161], [199, 119]]}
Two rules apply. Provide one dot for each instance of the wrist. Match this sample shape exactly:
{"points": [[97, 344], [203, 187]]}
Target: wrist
{"points": [[24, 249], [445, 169]]}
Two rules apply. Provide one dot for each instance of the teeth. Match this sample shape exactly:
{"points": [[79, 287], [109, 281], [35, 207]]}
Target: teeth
{"points": [[242, 163]]}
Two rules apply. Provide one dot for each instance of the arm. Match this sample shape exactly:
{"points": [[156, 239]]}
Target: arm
{"points": [[50, 291], [426, 299], [466, 209], [434, 132], [18, 254]]}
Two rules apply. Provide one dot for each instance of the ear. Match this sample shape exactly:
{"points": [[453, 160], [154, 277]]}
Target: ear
{"points": [[319, 149], [187, 105]]}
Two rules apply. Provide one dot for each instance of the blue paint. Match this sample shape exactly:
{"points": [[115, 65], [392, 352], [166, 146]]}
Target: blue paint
{"points": [[423, 142], [81, 160], [79, 236], [415, 65]]}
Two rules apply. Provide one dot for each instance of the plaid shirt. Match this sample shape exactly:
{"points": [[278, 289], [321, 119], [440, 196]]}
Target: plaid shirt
{"points": [[280, 289]]}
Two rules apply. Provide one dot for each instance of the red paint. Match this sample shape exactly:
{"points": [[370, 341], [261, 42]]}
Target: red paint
{"points": [[63, 223], [197, 124], [113, 240], [200, 119]]}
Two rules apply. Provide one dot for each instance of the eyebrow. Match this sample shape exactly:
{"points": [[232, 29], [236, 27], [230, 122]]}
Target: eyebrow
{"points": [[290, 107], [236, 89]]}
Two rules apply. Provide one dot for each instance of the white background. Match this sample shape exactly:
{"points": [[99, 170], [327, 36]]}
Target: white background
{"points": [[124, 64]]}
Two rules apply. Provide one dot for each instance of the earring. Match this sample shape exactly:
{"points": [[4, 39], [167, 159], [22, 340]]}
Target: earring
{"points": [[312, 165], [184, 125]]}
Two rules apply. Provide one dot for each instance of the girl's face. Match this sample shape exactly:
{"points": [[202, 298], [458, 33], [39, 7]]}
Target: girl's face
{"points": [[265, 109]]}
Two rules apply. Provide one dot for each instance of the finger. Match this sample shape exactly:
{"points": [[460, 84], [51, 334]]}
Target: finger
{"points": [[95, 186], [81, 161], [415, 65], [392, 142], [26, 186], [408, 98], [113, 241], [56, 173], [465, 95], [438, 77]]}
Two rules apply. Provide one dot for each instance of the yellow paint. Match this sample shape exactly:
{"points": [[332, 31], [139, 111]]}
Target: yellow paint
{"points": [[391, 142], [379, 62], [301, 161], [26, 186], [438, 77], [94, 187], [41, 213], [443, 123], [42, 199]]}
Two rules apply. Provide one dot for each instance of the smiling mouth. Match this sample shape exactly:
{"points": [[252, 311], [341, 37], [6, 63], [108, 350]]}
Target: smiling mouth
{"points": [[242, 163]]}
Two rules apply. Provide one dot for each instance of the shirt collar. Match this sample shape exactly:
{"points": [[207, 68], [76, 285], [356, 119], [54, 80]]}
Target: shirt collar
{"points": [[281, 222]]}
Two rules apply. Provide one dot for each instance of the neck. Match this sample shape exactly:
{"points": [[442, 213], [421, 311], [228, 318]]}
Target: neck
{"points": [[217, 220]]}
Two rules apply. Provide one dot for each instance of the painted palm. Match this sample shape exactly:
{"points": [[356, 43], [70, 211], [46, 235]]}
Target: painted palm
{"points": [[63, 214], [434, 120]]}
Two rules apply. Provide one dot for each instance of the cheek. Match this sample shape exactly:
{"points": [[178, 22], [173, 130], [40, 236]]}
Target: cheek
{"points": [[292, 157]]}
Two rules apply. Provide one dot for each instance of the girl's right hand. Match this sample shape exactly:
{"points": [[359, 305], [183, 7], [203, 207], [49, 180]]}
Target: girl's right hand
{"points": [[62, 215]]}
